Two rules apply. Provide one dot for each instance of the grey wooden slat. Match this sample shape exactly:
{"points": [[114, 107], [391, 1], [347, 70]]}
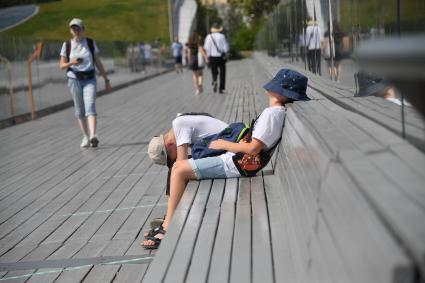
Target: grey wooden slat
{"points": [[200, 261], [411, 157], [403, 220], [402, 176], [222, 251], [280, 225], [39, 253], [132, 272], [370, 251], [65, 251], [92, 249], [262, 260], [51, 208], [48, 209], [180, 262], [116, 218], [242, 241], [158, 267], [105, 273]]}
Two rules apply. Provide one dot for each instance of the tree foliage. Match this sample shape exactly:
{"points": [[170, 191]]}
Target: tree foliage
{"points": [[257, 8]]}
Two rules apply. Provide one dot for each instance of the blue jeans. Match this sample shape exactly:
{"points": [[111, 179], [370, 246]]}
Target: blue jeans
{"points": [[208, 168], [84, 96]]}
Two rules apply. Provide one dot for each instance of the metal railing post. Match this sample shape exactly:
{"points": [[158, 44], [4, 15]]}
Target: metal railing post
{"points": [[10, 81], [34, 56]]}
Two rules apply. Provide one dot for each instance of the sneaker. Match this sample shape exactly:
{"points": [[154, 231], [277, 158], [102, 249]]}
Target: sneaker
{"points": [[214, 86], [85, 142], [201, 89], [197, 92], [222, 91], [94, 141]]}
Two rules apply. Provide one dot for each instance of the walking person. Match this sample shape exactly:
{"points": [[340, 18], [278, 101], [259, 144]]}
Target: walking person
{"points": [[177, 48], [79, 58], [314, 39], [197, 58], [341, 46], [217, 47]]}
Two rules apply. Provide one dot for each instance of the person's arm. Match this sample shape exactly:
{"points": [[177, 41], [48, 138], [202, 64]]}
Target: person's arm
{"points": [[101, 69], [189, 56], [63, 64], [254, 147], [182, 152], [204, 53], [225, 45]]}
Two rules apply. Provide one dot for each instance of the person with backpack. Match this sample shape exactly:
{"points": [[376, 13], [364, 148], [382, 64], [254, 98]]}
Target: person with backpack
{"points": [[187, 129], [243, 158], [79, 59], [217, 47]]}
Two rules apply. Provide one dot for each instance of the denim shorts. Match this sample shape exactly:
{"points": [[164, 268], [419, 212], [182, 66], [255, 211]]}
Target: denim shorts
{"points": [[84, 96], [208, 168]]}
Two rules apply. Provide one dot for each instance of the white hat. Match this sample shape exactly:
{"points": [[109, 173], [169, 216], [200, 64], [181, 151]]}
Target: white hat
{"points": [[157, 151], [76, 22]]}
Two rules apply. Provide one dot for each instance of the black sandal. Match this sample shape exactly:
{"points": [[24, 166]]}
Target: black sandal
{"points": [[156, 240], [154, 232]]}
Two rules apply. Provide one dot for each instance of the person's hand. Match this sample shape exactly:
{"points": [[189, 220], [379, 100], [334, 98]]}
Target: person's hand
{"points": [[75, 61], [218, 144], [108, 86]]}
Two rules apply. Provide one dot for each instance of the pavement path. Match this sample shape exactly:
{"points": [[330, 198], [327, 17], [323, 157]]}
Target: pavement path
{"points": [[13, 16]]}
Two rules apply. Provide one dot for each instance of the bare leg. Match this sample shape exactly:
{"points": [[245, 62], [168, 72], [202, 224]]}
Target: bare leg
{"points": [[83, 126], [338, 70], [195, 80], [200, 79], [92, 125], [180, 175]]}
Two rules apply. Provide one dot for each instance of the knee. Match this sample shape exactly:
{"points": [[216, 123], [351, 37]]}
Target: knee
{"points": [[181, 168]]}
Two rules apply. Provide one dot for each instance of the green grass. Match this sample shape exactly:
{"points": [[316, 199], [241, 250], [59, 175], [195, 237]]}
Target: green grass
{"points": [[105, 20]]}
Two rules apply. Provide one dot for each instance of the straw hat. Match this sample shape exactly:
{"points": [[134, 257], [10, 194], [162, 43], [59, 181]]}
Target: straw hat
{"points": [[216, 28]]}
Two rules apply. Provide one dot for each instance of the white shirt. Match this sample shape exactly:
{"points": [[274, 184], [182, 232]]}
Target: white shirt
{"points": [[313, 37], [221, 42], [190, 128], [80, 49], [267, 129]]}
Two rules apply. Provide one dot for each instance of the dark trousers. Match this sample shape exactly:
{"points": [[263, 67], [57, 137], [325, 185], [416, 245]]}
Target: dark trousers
{"points": [[313, 58], [218, 65]]}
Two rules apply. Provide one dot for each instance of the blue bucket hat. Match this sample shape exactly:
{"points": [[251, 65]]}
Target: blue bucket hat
{"points": [[289, 83]]}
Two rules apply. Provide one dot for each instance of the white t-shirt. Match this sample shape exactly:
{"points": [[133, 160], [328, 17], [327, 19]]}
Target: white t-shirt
{"points": [[220, 41], [267, 129], [80, 50], [314, 37], [190, 128]]}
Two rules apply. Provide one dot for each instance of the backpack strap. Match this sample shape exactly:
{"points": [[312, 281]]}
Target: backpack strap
{"points": [[68, 49], [90, 44]]}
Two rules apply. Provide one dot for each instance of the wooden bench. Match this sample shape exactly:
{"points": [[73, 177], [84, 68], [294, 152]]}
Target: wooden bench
{"points": [[345, 204]]}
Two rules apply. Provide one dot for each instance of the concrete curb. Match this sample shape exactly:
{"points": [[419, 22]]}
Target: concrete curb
{"points": [[55, 108]]}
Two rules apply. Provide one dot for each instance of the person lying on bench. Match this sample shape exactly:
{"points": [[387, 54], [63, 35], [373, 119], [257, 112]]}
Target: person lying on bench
{"points": [[245, 158], [187, 129]]}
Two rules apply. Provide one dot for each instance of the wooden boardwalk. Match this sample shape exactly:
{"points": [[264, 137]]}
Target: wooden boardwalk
{"points": [[60, 202], [346, 202]]}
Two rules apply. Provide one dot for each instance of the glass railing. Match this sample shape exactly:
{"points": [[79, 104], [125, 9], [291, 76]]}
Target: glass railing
{"points": [[334, 39], [123, 61]]}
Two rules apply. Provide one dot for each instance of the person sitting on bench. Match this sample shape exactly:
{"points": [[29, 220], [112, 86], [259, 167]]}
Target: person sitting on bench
{"points": [[287, 86], [187, 129]]}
